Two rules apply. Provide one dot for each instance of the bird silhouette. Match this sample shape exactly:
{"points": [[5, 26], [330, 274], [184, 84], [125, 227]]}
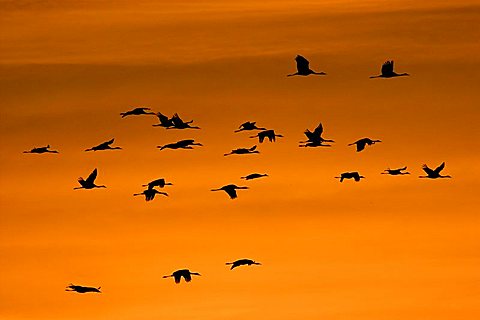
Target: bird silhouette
{"points": [[387, 71], [230, 190], [315, 138], [242, 262], [254, 176], [40, 150], [104, 146], [363, 142], [82, 289], [185, 273], [150, 193], [182, 144], [434, 174], [303, 68], [157, 183], [178, 123], [243, 151], [164, 121], [395, 172], [89, 183], [350, 175], [270, 134], [248, 126], [137, 112]]}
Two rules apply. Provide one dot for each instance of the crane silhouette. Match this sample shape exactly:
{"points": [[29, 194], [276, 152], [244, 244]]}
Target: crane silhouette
{"points": [[185, 273], [178, 123], [164, 121], [395, 172], [303, 68], [137, 112], [387, 71], [350, 175], [363, 142], [254, 176], [315, 138], [104, 146], [248, 126], [39, 150], [82, 289], [243, 151], [157, 183], [434, 174], [89, 183], [242, 262], [270, 134], [150, 193], [230, 189], [182, 144]]}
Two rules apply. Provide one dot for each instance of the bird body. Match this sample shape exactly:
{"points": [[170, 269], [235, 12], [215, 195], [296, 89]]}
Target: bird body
{"points": [[254, 176], [269, 134], [150, 193], [137, 112], [303, 68], [363, 142], [40, 150], [387, 71], [182, 144], [185, 273], [104, 146], [350, 175], [434, 174], [89, 183], [82, 289], [396, 172], [243, 151], [248, 126], [230, 190], [242, 262]]}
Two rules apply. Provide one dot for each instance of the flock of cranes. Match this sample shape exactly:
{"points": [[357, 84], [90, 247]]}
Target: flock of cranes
{"points": [[314, 139]]}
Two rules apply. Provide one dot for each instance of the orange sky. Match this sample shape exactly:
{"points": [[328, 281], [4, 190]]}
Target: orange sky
{"points": [[387, 248]]}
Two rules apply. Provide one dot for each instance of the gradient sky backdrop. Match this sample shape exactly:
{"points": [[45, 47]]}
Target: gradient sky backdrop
{"points": [[387, 248]]}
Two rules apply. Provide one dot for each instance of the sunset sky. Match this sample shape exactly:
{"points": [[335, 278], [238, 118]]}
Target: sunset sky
{"points": [[386, 248]]}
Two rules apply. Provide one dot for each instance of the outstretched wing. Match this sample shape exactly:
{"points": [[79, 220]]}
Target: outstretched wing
{"points": [[231, 192], [177, 277], [109, 142], [253, 148], [427, 170], [440, 168], [387, 67], [360, 145], [318, 130], [176, 120], [163, 118], [302, 64], [91, 178], [187, 277]]}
